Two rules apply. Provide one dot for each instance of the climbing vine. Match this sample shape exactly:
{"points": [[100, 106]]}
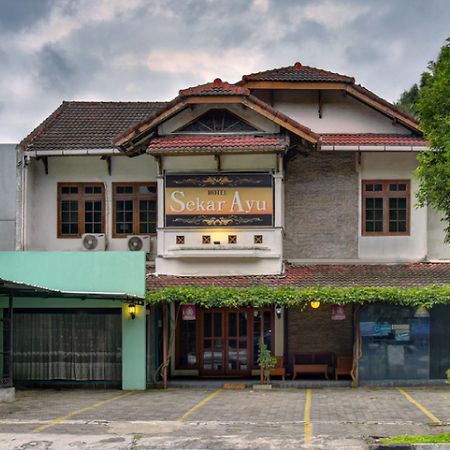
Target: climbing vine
{"points": [[230, 297]]}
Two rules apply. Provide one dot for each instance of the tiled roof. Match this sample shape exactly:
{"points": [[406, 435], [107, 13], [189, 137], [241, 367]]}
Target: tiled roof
{"points": [[372, 139], [366, 92], [299, 73], [397, 275], [216, 143], [217, 87], [87, 125]]}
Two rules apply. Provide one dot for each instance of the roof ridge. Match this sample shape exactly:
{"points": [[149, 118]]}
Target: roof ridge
{"points": [[113, 102], [296, 66]]}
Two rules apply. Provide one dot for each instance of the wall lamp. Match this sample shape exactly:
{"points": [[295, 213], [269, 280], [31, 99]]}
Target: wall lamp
{"points": [[132, 310], [315, 304], [278, 311]]}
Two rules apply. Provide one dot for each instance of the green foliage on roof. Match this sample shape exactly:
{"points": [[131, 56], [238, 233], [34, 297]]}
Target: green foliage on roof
{"points": [[209, 297]]}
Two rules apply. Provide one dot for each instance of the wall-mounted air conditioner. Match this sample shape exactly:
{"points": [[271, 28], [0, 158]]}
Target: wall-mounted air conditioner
{"points": [[138, 243], [93, 242]]}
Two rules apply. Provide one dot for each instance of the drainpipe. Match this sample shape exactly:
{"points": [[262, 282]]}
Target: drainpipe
{"points": [[21, 170]]}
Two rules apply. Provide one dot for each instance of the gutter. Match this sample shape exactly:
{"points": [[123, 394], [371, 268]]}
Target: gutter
{"points": [[375, 148], [72, 152]]}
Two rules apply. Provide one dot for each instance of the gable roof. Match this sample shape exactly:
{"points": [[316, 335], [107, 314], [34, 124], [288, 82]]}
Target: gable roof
{"points": [[297, 72], [299, 76], [216, 92], [87, 125]]}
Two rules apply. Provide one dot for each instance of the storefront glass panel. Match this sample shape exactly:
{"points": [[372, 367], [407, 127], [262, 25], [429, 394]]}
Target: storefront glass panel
{"points": [[395, 343], [439, 341]]}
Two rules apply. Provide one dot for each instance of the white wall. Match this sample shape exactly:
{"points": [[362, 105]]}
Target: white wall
{"points": [[437, 248], [340, 114], [244, 258], [7, 196], [42, 190], [250, 162], [388, 166]]}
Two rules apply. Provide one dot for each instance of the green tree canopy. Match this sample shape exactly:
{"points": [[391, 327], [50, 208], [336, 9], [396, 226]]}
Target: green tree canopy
{"points": [[408, 101], [434, 114]]}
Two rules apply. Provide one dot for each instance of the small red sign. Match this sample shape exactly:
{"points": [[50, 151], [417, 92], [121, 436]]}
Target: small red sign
{"points": [[338, 312], [188, 312]]}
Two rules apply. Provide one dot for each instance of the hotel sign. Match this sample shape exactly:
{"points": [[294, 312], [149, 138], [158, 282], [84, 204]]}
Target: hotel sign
{"points": [[218, 200]]}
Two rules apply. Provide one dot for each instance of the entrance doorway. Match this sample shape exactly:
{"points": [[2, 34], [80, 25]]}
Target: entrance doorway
{"points": [[223, 342]]}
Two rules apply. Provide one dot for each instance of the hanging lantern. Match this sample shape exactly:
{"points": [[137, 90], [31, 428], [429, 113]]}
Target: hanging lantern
{"points": [[315, 304]]}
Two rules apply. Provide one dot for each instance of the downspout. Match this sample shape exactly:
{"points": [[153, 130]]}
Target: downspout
{"points": [[20, 199]]}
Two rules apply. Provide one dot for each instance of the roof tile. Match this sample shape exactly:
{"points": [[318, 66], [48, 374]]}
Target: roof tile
{"points": [[297, 73], [87, 125], [397, 275], [217, 87], [215, 143], [372, 139]]}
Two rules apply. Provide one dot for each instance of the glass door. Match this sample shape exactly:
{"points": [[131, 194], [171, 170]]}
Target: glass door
{"points": [[225, 342], [213, 341], [237, 357]]}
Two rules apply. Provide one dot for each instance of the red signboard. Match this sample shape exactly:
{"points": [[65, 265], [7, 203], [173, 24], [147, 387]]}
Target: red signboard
{"points": [[188, 312], [338, 312]]}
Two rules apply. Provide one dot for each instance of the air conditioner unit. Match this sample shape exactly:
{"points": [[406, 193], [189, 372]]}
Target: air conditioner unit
{"points": [[138, 243], [93, 242]]}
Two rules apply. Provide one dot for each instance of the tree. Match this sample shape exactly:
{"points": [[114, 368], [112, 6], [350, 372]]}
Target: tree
{"points": [[408, 100], [434, 115]]}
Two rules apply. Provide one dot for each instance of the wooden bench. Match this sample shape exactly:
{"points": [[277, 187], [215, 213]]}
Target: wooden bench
{"points": [[321, 363], [344, 366]]}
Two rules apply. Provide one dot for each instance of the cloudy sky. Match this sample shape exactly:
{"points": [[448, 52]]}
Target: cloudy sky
{"points": [[54, 50]]}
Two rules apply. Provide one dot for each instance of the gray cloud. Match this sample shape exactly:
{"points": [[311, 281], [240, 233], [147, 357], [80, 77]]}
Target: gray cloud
{"points": [[17, 14], [55, 71], [148, 50]]}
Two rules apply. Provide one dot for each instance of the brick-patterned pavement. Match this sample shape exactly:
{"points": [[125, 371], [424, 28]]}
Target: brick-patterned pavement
{"points": [[341, 418]]}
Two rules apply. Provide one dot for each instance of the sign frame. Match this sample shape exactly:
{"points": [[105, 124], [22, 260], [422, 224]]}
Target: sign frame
{"points": [[220, 181]]}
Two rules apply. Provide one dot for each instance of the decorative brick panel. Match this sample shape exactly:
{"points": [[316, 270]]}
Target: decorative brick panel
{"points": [[321, 207], [312, 330]]}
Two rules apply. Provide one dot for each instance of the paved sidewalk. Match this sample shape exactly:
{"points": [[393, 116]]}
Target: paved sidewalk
{"points": [[339, 418]]}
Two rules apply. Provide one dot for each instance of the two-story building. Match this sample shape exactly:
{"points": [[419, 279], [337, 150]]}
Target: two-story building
{"points": [[291, 178]]}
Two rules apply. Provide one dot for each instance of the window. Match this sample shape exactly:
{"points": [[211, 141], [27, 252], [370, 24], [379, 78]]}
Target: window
{"points": [[218, 121], [386, 206], [81, 209], [134, 208]]}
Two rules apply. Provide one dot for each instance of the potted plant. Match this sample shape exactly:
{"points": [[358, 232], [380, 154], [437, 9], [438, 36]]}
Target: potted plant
{"points": [[266, 362]]}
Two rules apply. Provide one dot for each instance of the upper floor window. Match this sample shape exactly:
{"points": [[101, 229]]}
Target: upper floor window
{"points": [[81, 209], [218, 121], [385, 207], [134, 208]]}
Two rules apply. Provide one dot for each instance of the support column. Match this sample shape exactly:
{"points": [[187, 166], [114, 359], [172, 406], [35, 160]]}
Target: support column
{"points": [[133, 349]]}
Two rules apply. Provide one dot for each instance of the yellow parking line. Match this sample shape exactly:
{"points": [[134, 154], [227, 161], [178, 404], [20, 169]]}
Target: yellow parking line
{"points": [[79, 411], [421, 407], [307, 419], [199, 405]]}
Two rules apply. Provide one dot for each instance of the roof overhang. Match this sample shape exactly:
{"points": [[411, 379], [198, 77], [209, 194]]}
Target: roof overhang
{"points": [[18, 289], [356, 91], [141, 134], [207, 144]]}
